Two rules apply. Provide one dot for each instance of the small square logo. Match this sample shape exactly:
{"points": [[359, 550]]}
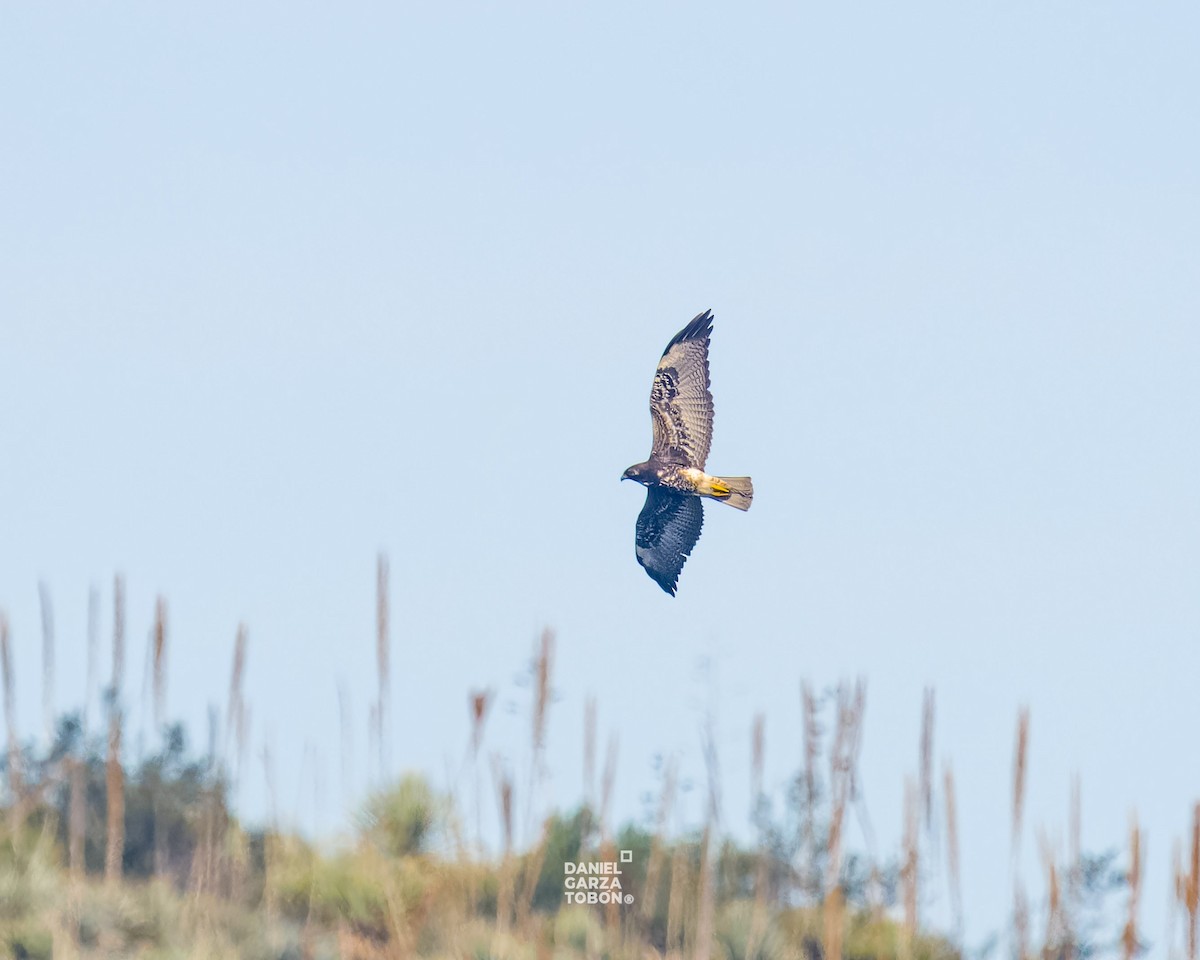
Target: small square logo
{"points": [[627, 856]]}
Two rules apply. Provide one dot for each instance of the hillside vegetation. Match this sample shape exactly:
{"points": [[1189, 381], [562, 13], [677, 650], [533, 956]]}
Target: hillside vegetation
{"points": [[105, 855]]}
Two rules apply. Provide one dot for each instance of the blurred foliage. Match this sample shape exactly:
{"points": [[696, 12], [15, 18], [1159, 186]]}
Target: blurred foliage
{"points": [[406, 819], [197, 884]]}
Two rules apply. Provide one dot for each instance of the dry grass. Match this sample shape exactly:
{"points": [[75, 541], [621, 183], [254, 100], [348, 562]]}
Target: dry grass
{"points": [[796, 893]]}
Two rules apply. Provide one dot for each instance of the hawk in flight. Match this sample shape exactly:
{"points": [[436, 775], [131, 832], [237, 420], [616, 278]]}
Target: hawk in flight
{"points": [[681, 412]]}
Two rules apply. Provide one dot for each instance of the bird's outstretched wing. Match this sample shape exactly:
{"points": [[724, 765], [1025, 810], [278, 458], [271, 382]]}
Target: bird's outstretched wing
{"points": [[667, 530], [681, 406]]}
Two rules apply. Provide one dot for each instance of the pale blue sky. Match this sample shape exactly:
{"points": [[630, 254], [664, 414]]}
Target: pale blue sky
{"points": [[281, 287]]}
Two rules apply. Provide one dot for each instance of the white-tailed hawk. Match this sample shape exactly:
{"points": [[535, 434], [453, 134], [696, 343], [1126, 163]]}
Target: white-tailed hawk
{"points": [[681, 412]]}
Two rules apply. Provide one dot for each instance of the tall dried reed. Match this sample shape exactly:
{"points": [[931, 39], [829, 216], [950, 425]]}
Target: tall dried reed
{"points": [[1020, 904], [114, 774], [77, 819], [808, 805], [1020, 762], [952, 861], [1074, 889], [589, 752], [47, 609], [10, 726], [759, 914], [608, 779], [235, 706], [93, 655], [1187, 886], [706, 895], [910, 870], [666, 802], [927, 716], [1054, 940], [160, 661], [480, 704], [503, 782], [159, 672], [1129, 936], [382, 663], [345, 742], [843, 763], [542, 667]]}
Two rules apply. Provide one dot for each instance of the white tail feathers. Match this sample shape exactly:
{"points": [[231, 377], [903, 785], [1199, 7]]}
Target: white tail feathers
{"points": [[741, 492]]}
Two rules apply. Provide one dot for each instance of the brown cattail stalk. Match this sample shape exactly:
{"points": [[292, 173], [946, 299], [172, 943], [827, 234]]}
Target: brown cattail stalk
{"points": [[1020, 921], [160, 661], [114, 775], [480, 703], [1020, 761], [1053, 942]]}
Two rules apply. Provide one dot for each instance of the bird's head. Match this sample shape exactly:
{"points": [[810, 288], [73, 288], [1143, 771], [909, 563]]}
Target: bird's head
{"points": [[636, 472]]}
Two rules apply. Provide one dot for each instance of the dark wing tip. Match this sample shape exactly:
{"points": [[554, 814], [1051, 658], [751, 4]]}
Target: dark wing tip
{"points": [[666, 579], [698, 329]]}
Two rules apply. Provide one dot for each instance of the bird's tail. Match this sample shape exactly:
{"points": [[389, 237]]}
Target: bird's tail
{"points": [[735, 491]]}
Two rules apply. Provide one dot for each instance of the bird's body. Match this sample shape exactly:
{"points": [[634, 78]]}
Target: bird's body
{"points": [[690, 481], [681, 412]]}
